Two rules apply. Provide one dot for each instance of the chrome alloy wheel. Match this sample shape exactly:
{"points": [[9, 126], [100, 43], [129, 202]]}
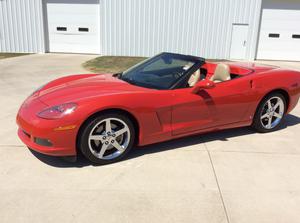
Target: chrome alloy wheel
{"points": [[272, 112], [109, 138]]}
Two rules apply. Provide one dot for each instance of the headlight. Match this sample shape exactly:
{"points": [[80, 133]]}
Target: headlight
{"points": [[58, 111]]}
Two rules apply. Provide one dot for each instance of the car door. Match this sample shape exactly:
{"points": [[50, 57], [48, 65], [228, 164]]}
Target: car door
{"points": [[224, 104]]}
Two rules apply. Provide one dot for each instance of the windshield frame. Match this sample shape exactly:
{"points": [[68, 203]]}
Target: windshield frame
{"points": [[198, 62]]}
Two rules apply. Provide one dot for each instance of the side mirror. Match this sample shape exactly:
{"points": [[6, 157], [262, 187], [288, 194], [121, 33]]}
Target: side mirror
{"points": [[204, 84]]}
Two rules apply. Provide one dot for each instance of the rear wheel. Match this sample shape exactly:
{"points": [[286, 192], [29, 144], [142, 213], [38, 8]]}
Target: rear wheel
{"points": [[107, 138], [270, 113]]}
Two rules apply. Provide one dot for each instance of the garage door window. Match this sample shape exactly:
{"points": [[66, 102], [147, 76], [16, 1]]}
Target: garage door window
{"points": [[296, 36], [80, 29], [61, 28], [274, 35]]}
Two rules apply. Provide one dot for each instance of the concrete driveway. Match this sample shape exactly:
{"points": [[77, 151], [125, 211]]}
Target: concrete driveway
{"points": [[233, 176]]}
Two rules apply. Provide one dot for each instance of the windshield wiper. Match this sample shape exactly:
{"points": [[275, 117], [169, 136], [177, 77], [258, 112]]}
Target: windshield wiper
{"points": [[118, 75]]}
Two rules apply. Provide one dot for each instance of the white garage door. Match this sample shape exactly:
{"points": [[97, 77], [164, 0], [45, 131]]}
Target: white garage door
{"points": [[280, 34], [73, 26]]}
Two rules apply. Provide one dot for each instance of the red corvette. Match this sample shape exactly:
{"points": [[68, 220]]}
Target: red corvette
{"points": [[165, 97]]}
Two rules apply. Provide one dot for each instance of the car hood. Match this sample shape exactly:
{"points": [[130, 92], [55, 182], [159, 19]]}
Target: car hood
{"points": [[85, 87]]}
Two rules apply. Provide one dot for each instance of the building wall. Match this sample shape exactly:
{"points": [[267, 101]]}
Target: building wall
{"points": [[142, 27], [21, 26], [198, 27]]}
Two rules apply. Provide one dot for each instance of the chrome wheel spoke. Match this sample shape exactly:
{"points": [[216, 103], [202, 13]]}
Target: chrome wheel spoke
{"points": [[269, 104], [97, 137], [276, 105], [121, 131], [107, 125], [103, 149], [269, 123], [277, 115], [118, 146], [264, 116]]}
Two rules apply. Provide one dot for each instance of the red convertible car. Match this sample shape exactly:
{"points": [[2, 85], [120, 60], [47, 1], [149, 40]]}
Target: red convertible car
{"points": [[165, 97]]}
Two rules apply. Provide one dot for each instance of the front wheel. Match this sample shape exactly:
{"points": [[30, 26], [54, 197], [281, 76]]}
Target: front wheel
{"points": [[270, 113], [107, 138]]}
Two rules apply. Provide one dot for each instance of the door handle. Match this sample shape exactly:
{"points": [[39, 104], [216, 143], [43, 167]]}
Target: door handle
{"points": [[244, 43]]}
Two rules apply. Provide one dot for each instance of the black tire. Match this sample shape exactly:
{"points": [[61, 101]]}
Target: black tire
{"points": [[257, 123], [83, 137]]}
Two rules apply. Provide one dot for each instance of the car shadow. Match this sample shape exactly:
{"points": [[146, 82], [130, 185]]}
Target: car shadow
{"points": [[224, 135], [61, 162]]}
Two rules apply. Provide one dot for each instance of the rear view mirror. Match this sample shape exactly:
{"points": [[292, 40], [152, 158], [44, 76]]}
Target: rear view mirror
{"points": [[167, 59], [204, 84]]}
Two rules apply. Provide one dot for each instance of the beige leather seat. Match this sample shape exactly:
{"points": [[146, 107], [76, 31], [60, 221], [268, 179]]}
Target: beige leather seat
{"points": [[222, 73], [195, 77]]}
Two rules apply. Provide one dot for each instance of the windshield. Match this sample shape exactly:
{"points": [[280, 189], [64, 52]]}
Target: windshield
{"points": [[159, 72]]}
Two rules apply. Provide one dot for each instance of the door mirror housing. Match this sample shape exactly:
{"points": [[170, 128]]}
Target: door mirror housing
{"points": [[204, 84]]}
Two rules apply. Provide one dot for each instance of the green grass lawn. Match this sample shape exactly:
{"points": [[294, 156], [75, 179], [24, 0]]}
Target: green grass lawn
{"points": [[8, 55], [115, 64], [111, 64]]}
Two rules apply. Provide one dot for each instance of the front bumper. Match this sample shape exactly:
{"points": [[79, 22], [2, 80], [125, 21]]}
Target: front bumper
{"points": [[52, 151], [34, 132]]}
